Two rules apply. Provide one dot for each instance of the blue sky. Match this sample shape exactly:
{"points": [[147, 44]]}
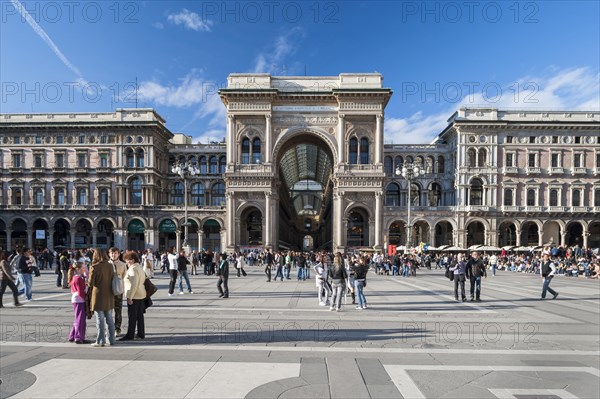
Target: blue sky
{"points": [[71, 56]]}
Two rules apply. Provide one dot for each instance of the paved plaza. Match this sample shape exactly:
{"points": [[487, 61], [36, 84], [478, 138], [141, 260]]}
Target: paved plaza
{"points": [[272, 340]]}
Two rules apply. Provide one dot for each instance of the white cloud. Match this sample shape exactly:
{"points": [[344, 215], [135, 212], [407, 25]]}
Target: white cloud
{"points": [[191, 90], [209, 136], [272, 60], [568, 89], [190, 20], [158, 25]]}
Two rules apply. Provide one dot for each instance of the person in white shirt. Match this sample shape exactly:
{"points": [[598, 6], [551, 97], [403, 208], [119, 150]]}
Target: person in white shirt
{"points": [[493, 263], [321, 280], [173, 256]]}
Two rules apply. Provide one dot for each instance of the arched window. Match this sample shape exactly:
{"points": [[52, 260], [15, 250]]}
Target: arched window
{"points": [[198, 194], [440, 164], [398, 162], [357, 233], [472, 157], [202, 165], [476, 192], [222, 165], [82, 196], [213, 165], [434, 195], [430, 164], [531, 197], [129, 158], [39, 197], [140, 158], [182, 159], [364, 151], [554, 197], [103, 196], [177, 194], [392, 195], [353, 151], [482, 161], [193, 160], [420, 161], [17, 196], [409, 159], [135, 191], [256, 151], [388, 166], [246, 150], [576, 197], [415, 194], [508, 197], [60, 196], [218, 194]]}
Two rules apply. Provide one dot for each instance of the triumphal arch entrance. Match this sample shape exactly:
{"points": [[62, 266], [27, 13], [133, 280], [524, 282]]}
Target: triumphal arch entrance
{"points": [[304, 161]]}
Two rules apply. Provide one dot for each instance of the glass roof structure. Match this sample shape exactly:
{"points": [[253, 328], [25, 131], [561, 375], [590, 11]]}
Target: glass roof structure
{"points": [[305, 170]]}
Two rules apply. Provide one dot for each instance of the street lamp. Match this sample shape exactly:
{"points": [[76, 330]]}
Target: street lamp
{"points": [[185, 170], [409, 171]]}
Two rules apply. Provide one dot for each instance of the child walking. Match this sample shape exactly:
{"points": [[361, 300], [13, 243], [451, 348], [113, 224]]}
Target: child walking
{"points": [[77, 284]]}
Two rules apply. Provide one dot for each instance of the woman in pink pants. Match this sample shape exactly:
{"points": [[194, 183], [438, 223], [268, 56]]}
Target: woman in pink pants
{"points": [[77, 284]]}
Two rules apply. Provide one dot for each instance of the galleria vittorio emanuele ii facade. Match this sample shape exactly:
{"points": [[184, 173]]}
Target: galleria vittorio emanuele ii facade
{"points": [[303, 166]]}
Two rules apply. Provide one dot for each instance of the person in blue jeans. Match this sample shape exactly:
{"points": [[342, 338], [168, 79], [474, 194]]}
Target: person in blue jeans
{"points": [[360, 278], [406, 268], [182, 263], [25, 269]]}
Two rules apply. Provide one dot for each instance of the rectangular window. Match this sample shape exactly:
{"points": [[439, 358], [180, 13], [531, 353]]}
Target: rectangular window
{"points": [[38, 139], [554, 161], [531, 139], [510, 160], [60, 139], [17, 140], [17, 160], [81, 161], [577, 139], [103, 139], [37, 161], [103, 160], [531, 161], [598, 159], [509, 139], [577, 160], [59, 160], [554, 139], [81, 139]]}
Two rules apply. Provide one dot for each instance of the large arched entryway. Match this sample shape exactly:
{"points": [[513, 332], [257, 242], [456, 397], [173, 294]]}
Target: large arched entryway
{"points": [[105, 236], [475, 234], [397, 233], [357, 232], [135, 235], [251, 227], [575, 234], [305, 167], [18, 236], [40, 234], [212, 235], [83, 234], [443, 234], [530, 234], [594, 238], [507, 234], [552, 233], [62, 234], [420, 233], [167, 237]]}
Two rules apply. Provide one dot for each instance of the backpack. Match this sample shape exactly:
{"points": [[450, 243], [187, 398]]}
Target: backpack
{"points": [[117, 283]]}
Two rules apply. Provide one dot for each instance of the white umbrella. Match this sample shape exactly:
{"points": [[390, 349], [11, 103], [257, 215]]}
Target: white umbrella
{"points": [[454, 248], [474, 247], [508, 247], [488, 248]]}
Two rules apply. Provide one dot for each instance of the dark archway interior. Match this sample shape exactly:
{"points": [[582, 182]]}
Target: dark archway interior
{"points": [[305, 191]]}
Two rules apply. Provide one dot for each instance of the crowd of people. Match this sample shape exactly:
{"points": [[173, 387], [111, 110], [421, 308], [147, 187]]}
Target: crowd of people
{"points": [[90, 276]]}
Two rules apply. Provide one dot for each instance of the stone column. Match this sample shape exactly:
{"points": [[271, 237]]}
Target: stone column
{"points": [[94, 237], [72, 238], [8, 239], [52, 196], [230, 221], [268, 139], [268, 220], [586, 236], [201, 240], [378, 138], [378, 218], [178, 239], [30, 238], [230, 139], [341, 139], [50, 238], [541, 238], [518, 234]]}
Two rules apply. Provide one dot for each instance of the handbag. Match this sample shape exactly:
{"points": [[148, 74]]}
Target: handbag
{"points": [[150, 288], [117, 283], [88, 303]]}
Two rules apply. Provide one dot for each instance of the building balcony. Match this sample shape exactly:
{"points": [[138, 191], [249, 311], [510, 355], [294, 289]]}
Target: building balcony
{"points": [[103, 170], [581, 209], [81, 170], [597, 209], [17, 170], [597, 172], [38, 170], [477, 208], [59, 170], [578, 171], [556, 209], [511, 208], [510, 170], [556, 170], [534, 209], [533, 170]]}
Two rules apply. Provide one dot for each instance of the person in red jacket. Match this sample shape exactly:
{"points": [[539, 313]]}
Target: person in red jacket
{"points": [[77, 283]]}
